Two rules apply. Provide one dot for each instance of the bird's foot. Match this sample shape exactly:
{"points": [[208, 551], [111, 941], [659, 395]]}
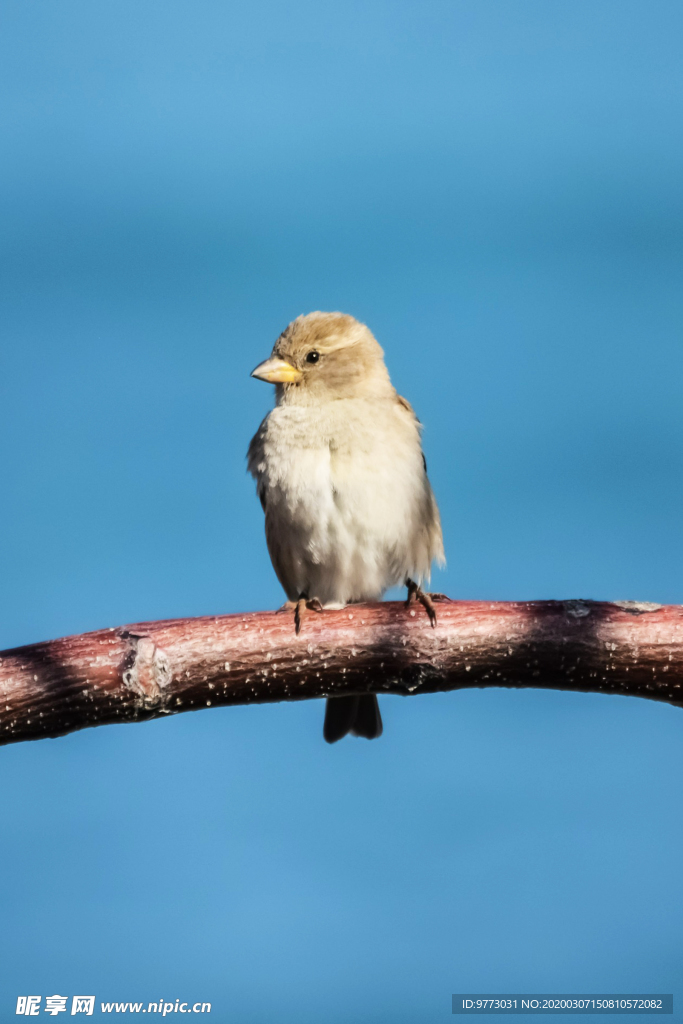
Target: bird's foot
{"points": [[303, 605], [416, 593]]}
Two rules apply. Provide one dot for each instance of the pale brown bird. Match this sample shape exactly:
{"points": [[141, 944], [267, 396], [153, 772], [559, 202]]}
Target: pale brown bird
{"points": [[343, 482]]}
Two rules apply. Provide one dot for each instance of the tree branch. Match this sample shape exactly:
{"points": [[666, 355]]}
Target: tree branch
{"points": [[143, 671]]}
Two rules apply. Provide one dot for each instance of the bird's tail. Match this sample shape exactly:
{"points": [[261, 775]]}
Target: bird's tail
{"points": [[358, 715]]}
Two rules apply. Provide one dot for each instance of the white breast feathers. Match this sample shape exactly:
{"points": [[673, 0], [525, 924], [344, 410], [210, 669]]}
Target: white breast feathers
{"points": [[349, 510]]}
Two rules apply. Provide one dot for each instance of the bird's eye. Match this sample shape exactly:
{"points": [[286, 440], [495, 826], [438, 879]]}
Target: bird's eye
{"points": [[312, 357]]}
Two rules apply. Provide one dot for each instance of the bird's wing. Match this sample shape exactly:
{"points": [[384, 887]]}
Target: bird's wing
{"points": [[431, 519], [408, 407], [405, 404], [256, 463]]}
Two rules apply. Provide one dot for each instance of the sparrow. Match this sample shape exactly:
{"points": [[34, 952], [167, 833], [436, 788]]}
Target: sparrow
{"points": [[342, 479]]}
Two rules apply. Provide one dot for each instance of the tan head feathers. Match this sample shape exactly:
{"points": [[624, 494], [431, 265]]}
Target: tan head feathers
{"points": [[323, 356]]}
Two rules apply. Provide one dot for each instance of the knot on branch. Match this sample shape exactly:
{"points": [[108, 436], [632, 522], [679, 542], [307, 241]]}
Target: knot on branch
{"points": [[146, 670]]}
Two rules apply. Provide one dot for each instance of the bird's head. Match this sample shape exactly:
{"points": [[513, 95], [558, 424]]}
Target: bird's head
{"points": [[324, 356]]}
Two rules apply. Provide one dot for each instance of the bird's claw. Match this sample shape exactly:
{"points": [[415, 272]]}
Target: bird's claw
{"points": [[416, 593], [303, 605]]}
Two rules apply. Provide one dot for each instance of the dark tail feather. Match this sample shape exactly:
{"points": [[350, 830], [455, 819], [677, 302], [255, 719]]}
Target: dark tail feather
{"points": [[340, 714], [368, 719], [358, 715]]}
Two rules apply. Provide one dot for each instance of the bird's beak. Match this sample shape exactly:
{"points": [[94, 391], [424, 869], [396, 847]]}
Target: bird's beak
{"points": [[277, 371]]}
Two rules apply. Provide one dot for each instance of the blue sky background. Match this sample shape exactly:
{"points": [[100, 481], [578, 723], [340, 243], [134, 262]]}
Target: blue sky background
{"points": [[495, 189]]}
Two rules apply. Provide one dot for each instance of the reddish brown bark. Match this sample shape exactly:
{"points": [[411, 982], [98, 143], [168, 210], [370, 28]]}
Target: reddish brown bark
{"points": [[150, 669]]}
